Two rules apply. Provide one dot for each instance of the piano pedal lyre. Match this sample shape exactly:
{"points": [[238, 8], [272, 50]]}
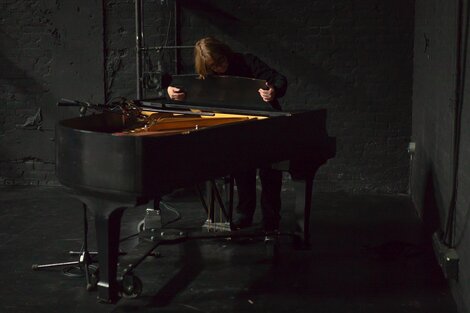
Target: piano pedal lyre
{"points": [[218, 209]]}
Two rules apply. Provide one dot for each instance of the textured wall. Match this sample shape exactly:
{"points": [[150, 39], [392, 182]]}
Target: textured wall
{"points": [[352, 57], [434, 102], [48, 50]]}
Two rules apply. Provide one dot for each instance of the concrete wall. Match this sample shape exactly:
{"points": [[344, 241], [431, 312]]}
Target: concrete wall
{"points": [[434, 102], [352, 57]]}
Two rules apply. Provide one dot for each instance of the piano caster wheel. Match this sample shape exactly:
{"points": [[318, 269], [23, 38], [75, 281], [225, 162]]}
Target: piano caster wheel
{"points": [[141, 226], [272, 248], [94, 278], [131, 287]]}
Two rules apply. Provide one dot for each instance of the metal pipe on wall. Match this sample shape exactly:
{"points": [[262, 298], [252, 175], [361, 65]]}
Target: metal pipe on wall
{"points": [[139, 41], [140, 49], [176, 15], [105, 53], [166, 47]]}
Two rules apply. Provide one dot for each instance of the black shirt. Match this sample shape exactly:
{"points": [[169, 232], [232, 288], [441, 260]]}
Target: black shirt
{"points": [[248, 65]]}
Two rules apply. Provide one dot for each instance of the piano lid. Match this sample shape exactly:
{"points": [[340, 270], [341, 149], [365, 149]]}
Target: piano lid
{"points": [[232, 94]]}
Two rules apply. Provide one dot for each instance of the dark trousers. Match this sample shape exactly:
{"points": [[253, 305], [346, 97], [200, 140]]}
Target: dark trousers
{"points": [[271, 183]]}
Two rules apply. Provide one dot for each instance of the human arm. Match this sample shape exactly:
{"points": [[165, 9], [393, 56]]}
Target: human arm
{"points": [[175, 93], [268, 94], [276, 82]]}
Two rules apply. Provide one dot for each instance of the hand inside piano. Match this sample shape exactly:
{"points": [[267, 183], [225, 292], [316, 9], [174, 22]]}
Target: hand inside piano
{"points": [[268, 94], [176, 93]]}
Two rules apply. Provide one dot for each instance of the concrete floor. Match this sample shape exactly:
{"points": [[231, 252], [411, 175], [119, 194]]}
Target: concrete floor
{"points": [[367, 255]]}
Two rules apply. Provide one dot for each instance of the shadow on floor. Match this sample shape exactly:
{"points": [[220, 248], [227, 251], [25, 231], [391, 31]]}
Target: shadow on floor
{"points": [[367, 255]]}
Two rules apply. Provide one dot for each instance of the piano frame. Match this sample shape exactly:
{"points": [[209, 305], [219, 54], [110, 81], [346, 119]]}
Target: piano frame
{"points": [[110, 173]]}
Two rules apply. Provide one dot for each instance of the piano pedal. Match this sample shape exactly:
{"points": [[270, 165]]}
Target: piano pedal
{"points": [[216, 226]]}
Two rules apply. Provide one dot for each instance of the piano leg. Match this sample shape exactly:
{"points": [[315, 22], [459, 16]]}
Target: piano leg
{"points": [[303, 204], [302, 173], [108, 224]]}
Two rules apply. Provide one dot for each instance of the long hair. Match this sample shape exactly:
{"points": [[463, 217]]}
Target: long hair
{"points": [[209, 50]]}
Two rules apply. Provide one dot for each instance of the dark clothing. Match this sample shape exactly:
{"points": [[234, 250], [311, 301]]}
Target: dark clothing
{"points": [[248, 65], [271, 182]]}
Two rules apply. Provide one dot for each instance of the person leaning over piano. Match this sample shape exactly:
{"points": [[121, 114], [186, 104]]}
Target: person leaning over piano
{"points": [[213, 57]]}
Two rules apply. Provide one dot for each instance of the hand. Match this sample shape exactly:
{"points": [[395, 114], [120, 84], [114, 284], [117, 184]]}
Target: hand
{"points": [[269, 94], [175, 93]]}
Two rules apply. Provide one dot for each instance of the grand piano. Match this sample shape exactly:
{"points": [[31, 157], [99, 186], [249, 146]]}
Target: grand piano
{"points": [[118, 159]]}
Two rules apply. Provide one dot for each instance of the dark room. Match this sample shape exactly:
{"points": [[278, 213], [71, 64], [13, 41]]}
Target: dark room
{"points": [[234, 156]]}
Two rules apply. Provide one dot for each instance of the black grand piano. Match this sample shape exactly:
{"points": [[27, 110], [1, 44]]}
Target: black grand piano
{"points": [[118, 159]]}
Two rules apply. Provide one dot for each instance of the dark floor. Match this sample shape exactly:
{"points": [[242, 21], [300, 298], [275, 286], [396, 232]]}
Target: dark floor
{"points": [[366, 256]]}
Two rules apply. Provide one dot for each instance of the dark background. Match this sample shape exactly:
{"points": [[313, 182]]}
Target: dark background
{"points": [[354, 58], [385, 70]]}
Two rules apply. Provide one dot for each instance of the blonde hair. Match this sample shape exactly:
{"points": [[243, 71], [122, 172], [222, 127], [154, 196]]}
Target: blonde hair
{"points": [[207, 50]]}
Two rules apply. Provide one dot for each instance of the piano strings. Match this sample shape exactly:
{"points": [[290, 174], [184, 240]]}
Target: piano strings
{"points": [[161, 123]]}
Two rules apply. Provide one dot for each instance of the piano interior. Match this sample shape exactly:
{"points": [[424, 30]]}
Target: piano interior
{"points": [[165, 123]]}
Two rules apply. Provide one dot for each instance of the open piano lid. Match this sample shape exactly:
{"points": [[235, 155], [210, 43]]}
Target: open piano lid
{"points": [[225, 94]]}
